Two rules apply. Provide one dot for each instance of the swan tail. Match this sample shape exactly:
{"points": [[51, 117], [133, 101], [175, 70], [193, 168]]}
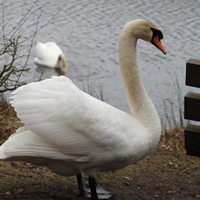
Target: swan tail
{"points": [[25, 144]]}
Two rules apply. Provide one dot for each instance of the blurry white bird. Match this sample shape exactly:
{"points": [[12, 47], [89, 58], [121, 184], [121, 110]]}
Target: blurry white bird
{"points": [[50, 55], [72, 132]]}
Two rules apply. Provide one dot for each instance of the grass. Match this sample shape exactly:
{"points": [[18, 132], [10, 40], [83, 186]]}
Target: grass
{"points": [[174, 106], [165, 174]]}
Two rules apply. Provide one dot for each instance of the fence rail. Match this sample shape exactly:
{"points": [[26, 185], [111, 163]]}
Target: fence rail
{"points": [[192, 108]]}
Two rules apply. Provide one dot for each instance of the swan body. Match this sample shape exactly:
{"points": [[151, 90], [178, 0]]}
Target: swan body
{"points": [[75, 132], [72, 132], [50, 55]]}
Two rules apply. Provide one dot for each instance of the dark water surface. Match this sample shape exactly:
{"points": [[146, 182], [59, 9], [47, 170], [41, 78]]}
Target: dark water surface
{"points": [[88, 33]]}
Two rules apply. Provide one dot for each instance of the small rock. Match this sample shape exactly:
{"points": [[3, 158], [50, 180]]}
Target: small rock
{"points": [[127, 183]]}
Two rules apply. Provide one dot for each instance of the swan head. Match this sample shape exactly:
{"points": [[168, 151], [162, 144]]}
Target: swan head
{"points": [[146, 30], [61, 64]]}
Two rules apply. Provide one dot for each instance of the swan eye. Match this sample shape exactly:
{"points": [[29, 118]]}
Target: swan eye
{"points": [[156, 32]]}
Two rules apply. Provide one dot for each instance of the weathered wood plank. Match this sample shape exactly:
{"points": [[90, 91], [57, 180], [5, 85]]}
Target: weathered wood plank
{"points": [[192, 106], [192, 140], [193, 72]]}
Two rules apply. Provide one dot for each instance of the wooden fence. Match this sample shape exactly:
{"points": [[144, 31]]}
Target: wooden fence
{"points": [[192, 108]]}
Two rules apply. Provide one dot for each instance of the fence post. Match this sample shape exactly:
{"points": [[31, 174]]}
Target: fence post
{"points": [[192, 108]]}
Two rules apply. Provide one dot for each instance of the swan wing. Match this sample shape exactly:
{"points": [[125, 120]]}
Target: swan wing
{"points": [[45, 55], [53, 47], [75, 123]]}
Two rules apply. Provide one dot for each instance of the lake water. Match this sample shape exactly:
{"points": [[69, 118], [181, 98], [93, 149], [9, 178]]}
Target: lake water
{"points": [[88, 33]]}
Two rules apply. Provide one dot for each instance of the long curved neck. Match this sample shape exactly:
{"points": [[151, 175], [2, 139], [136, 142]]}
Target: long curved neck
{"points": [[62, 63], [140, 104]]}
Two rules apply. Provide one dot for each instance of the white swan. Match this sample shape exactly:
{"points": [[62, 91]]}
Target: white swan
{"points": [[50, 55], [71, 132]]}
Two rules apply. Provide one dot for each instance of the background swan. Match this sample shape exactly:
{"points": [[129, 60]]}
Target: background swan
{"points": [[71, 132], [50, 55]]}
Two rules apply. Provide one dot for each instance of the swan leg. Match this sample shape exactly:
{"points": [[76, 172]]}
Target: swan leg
{"points": [[93, 192], [82, 191], [92, 184], [96, 192]]}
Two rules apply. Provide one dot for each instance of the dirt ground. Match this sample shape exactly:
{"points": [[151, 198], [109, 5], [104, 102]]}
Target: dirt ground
{"points": [[166, 176], [168, 173]]}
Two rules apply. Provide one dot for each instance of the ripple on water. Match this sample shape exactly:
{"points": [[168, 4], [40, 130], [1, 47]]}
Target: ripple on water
{"points": [[88, 33]]}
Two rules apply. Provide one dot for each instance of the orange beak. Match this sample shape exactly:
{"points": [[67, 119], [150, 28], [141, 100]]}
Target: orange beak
{"points": [[158, 44]]}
